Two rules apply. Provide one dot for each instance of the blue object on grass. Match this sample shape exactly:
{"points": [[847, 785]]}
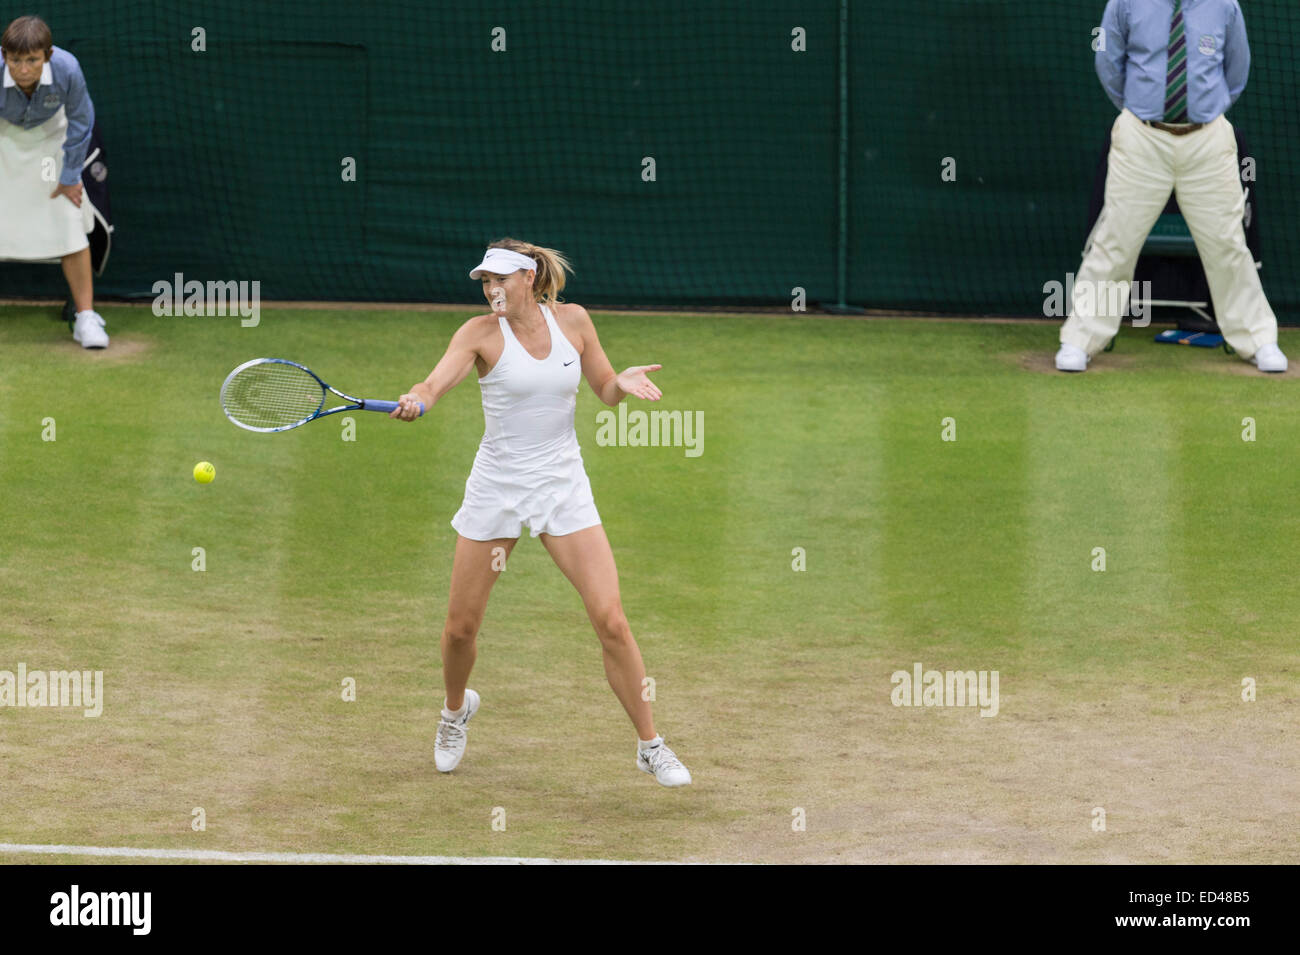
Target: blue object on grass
{"points": [[1176, 336]]}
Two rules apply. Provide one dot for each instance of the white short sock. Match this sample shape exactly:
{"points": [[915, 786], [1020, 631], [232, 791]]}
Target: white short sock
{"points": [[455, 714], [644, 744], [89, 311]]}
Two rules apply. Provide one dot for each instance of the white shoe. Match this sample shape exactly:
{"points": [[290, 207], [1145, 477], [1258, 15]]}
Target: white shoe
{"points": [[450, 745], [662, 763], [89, 330], [1070, 358], [1269, 358]]}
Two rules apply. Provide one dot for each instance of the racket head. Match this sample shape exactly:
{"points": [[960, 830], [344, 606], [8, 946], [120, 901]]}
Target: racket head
{"points": [[272, 394]]}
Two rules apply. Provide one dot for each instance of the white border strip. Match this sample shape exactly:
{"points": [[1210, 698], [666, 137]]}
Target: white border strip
{"points": [[297, 858]]}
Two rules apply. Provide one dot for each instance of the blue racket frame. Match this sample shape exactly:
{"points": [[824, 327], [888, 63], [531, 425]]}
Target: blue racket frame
{"points": [[359, 404]]}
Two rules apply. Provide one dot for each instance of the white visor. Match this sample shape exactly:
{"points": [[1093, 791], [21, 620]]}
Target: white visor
{"points": [[502, 262]]}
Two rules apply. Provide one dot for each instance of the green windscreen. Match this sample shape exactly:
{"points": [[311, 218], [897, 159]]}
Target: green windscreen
{"points": [[683, 155], [1008, 90]]}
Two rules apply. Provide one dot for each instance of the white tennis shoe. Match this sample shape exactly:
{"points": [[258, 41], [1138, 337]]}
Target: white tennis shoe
{"points": [[89, 330], [450, 745], [1269, 358], [662, 763], [1070, 358]]}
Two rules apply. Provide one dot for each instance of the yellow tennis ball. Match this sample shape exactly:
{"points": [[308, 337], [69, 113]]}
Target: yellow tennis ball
{"points": [[204, 472]]}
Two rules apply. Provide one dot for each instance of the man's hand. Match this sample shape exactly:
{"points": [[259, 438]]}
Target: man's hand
{"points": [[72, 192]]}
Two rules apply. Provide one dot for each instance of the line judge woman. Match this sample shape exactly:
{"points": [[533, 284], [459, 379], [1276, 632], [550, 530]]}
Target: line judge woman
{"points": [[47, 121]]}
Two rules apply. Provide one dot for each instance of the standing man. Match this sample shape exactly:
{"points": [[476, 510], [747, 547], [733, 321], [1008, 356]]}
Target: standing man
{"points": [[1172, 68], [46, 118]]}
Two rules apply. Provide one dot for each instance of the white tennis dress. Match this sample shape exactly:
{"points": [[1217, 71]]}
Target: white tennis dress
{"points": [[528, 469]]}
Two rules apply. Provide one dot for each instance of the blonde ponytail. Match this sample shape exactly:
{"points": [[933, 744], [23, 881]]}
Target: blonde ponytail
{"points": [[551, 268]]}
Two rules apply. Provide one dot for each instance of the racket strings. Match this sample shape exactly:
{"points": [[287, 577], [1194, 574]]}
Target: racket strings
{"points": [[272, 395]]}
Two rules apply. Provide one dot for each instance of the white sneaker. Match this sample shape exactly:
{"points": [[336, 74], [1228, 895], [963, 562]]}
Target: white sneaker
{"points": [[1070, 358], [450, 745], [1269, 358], [662, 763], [89, 330]]}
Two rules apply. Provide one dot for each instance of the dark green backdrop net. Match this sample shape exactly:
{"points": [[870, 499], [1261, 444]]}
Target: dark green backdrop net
{"points": [[226, 164]]}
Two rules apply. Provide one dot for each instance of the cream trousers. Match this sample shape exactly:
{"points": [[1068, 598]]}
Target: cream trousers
{"points": [[1201, 166]]}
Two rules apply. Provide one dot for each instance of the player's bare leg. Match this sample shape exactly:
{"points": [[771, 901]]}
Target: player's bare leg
{"points": [[586, 558], [474, 570]]}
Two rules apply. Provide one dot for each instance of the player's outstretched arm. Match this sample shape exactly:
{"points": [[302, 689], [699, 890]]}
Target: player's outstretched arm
{"points": [[609, 386], [447, 374]]}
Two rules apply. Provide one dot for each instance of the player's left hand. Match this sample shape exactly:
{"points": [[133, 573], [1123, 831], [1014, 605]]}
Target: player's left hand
{"points": [[72, 192], [634, 382]]}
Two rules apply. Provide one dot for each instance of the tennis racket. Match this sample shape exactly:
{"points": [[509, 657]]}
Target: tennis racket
{"points": [[274, 394]]}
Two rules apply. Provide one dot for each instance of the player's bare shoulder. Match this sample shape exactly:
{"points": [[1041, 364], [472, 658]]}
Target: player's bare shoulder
{"points": [[481, 323], [575, 323], [575, 316], [482, 335], [480, 329]]}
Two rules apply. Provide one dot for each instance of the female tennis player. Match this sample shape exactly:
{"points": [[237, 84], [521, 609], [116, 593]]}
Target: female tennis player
{"points": [[48, 121], [530, 353]]}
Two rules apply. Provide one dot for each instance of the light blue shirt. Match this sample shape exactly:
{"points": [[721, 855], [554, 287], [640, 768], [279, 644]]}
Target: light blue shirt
{"points": [[61, 85], [1134, 65]]}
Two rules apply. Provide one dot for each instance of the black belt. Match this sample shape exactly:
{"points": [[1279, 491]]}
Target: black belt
{"points": [[1176, 130]]}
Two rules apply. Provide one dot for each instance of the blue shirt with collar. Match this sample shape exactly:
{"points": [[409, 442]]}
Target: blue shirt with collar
{"points": [[1133, 66], [61, 85]]}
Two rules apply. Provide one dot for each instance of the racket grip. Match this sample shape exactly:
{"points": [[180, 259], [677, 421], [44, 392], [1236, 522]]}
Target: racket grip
{"points": [[374, 404]]}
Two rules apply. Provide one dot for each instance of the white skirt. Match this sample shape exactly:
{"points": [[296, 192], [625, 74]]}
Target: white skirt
{"points": [[498, 506], [34, 227]]}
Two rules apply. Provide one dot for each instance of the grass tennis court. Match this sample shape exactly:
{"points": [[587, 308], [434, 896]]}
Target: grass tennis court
{"points": [[328, 560]]}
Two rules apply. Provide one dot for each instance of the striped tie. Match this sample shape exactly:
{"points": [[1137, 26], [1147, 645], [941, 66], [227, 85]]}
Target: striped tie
{"points": [[1176, 84]]}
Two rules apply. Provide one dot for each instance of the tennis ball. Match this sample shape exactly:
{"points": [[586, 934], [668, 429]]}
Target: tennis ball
{"points": [[204, 472]]}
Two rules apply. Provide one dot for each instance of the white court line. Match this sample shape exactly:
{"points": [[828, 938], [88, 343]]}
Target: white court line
{"points": [[308, 858]]}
